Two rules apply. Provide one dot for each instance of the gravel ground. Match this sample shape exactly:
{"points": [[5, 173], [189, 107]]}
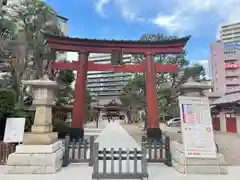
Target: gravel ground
{"points": [[229, 143]]}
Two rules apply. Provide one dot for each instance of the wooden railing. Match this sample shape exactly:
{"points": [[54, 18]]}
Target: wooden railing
{"points": [[78, 151], [119, 163], [5, 150]]}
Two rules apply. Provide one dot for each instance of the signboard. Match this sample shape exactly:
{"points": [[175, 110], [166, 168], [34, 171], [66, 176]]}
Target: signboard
{"points": [[232, 46], [14, 130], [232, 65], [196, 126]]}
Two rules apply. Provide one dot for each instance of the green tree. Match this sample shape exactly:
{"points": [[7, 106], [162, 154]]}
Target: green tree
{"points": [[66, 93], [7, 28], [7, 36], [34, 18], [89, 112], [168, 84]]}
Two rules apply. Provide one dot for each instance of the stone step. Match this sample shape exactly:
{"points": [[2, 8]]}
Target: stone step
{"points": [[200, 169], [180, 158]]}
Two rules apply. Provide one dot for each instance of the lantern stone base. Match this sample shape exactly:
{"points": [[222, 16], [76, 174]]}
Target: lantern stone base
{"points": [[40, 139], [196, 165], [36, 159]]}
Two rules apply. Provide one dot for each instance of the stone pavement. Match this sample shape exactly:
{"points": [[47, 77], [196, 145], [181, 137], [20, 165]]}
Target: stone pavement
{"points": [[227, 142], [156, 172], [115, 136], [229, 145], [101, 124]]}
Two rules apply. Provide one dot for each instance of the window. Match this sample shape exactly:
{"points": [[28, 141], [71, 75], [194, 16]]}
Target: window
{"points": [[230, 61], [231, 78]]}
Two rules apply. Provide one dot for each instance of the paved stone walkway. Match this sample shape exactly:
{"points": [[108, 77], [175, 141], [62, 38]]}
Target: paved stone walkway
{"points": [[156, 172]]}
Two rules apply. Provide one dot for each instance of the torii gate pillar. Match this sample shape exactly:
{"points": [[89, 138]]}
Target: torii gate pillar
{"points": [[78, 117], [153, 130]]}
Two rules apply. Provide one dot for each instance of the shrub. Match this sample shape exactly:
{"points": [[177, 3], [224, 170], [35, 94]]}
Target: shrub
{"points": [[61, 127], [7, 102], [28, 115]]}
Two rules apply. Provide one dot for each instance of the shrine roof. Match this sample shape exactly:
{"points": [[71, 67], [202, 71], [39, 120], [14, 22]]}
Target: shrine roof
{"points": [[113, 104], [228, 98], [170, 40], [111, 108]]}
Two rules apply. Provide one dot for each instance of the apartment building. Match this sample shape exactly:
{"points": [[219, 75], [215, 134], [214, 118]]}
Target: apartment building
{"points": [[107, 84], [230, 33], [225, 66]]}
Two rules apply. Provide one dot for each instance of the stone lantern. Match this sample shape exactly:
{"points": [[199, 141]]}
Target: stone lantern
{"points": [[41, 151], [43, 99], [193, 89]]}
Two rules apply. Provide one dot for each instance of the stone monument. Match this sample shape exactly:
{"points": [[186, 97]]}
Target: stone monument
{"points": [[195, 165], [41, 151]]}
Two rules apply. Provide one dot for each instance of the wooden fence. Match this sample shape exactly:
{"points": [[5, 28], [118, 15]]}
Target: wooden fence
{"points": [[78, 151], [119, 164], [81, 151], [5, 150], [158, 151]]}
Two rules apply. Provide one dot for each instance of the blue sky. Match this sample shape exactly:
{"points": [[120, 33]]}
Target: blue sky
{"points": [[129, 19]]}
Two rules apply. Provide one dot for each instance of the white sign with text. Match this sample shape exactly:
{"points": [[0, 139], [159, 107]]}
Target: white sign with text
{"points": [[196, 126], [14, 130]]}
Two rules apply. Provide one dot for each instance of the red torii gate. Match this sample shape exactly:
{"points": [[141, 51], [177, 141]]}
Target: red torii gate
{"points": [[146, 48]]}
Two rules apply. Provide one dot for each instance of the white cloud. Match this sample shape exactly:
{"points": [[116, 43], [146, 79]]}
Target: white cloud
{"points": [[169, 22], [176, 15], [99, 6]]}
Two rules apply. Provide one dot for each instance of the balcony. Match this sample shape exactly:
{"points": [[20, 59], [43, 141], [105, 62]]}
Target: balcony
{"points": [[106, 89], [96, 85], [107, 80], [108, 75], [232, 72], [232, 82], [230, 58], [106, 94]]}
